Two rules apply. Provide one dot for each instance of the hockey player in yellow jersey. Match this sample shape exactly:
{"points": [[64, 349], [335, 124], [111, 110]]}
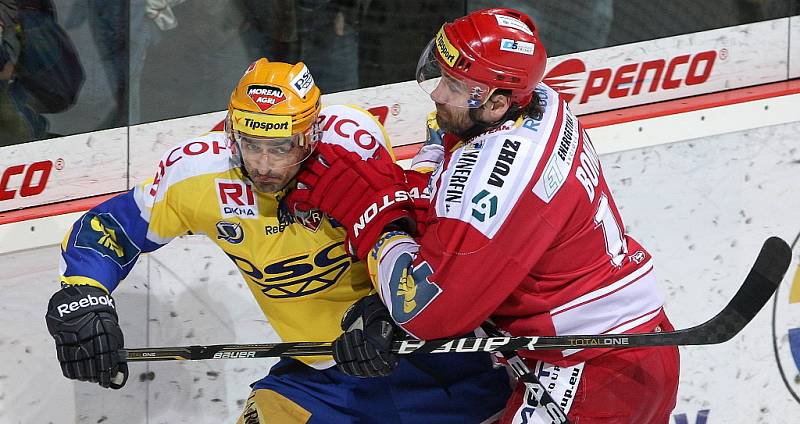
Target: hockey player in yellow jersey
{"points": [[228, 185]]}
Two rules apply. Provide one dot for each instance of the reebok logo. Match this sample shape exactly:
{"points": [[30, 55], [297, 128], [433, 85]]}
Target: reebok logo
{"points": [[89, 300]]}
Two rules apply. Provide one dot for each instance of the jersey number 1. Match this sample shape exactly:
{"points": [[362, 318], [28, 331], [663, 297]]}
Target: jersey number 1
{"points": [[612, 231]]}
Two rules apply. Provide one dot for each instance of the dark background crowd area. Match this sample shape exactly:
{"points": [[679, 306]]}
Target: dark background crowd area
{"points": [[75, 66]]}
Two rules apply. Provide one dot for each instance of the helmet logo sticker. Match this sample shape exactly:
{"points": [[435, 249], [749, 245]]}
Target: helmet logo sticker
{"points": [[508, 21], [303, 82], [261, 125], [265, 96], [517, 46], [446, 50]]}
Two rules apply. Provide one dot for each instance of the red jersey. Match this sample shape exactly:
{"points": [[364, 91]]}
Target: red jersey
{"points": [[522, 230]]}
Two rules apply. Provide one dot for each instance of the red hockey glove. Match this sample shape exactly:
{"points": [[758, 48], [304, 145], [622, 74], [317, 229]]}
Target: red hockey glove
{"points": [[418, 187], [365, 196]]}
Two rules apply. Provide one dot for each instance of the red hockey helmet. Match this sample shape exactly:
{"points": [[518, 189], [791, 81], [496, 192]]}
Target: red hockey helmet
{"points": [[486, 50]]}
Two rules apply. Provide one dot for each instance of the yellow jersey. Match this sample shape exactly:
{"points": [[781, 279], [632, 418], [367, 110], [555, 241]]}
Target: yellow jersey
{"points": [[296, 267]]}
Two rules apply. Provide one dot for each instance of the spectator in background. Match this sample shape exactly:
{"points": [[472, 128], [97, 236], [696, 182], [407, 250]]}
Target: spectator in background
{"points": [[324, 33], [639, 20], [274, 23], [565, 26], [393, 33], [108, 24], [14, 127], [328, 36], [580, 25], [39, 68], [122, 56], [189, 71], [201, 57]]}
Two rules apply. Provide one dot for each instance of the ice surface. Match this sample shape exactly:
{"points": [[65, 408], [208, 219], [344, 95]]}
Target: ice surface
{"points": [[702, 207]]}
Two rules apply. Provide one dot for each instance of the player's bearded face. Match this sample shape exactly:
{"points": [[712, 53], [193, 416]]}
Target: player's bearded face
{"points": [[451, 98], [453, 119], [271, 165]]}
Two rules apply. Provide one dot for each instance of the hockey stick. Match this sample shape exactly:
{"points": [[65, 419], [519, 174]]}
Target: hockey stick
{"points": [[759, 285], [542, 401]]}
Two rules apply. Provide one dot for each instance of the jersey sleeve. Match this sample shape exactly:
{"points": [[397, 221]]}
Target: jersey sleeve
{"points": [[356, 130], [102, 247], [453, 278]]}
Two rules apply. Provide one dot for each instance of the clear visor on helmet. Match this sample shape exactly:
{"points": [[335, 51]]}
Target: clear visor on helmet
{"points": [[446, 87], [257, 136]]}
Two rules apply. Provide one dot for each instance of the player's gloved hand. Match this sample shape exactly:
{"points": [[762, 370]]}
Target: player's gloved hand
{"points": [[365, 348], [421, 198], [83, 322], [365, 196]]}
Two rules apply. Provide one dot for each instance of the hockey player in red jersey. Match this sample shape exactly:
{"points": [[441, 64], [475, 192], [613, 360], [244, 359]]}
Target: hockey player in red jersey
{"points": [[522, 231]]}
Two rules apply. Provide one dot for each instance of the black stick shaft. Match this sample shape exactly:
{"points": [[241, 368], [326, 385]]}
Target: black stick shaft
{"points": [[759, 285]]}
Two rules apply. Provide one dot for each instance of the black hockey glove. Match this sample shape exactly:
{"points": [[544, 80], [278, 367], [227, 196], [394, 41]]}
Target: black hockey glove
{"points": [[364, 350], [83, 322]]}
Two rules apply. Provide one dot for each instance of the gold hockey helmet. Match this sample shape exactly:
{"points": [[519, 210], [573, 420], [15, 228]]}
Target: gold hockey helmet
{"points": [[273, 110]]}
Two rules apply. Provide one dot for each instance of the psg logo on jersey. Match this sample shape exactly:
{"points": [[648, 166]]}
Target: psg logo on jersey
{"points": [[300, 275], [265, 96]]}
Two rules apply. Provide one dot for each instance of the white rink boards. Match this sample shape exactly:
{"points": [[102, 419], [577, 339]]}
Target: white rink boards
{"points": [[702, 207]]}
